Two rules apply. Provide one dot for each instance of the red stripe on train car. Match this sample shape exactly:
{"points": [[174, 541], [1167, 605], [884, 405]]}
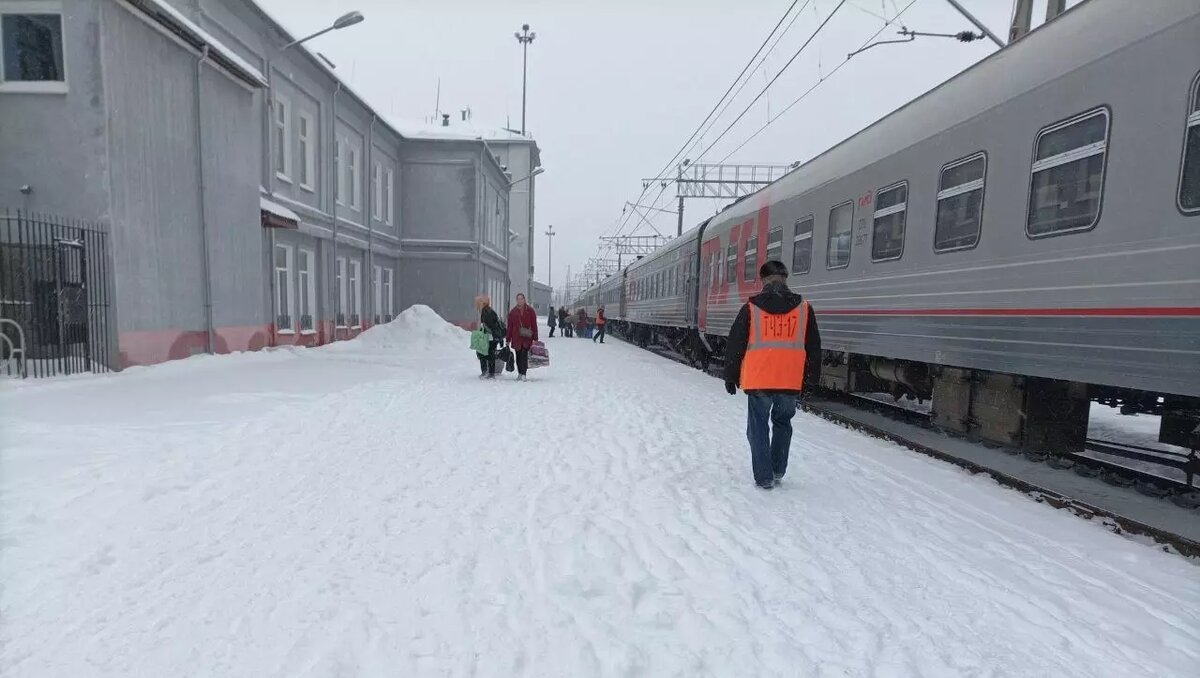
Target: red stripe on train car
{"points": [[1164, 311]]}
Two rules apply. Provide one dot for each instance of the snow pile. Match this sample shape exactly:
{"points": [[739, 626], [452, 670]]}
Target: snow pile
{"points": [[419, 329]]}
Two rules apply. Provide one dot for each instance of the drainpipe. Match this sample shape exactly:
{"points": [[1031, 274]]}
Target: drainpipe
{"points": [[269, 184], [205, 262], [370, 268], [333, 185]]}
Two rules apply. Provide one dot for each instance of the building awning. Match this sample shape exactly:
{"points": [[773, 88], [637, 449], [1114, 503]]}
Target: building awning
{"points": [[275, 215]]}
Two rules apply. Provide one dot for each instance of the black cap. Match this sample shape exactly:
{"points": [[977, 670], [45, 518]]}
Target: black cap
{"points": [[771, 268]]}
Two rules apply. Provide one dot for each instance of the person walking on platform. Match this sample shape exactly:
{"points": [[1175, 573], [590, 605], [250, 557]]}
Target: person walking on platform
{"points": [[522, 332], [550, 319], [491, 321], [600, 323], [562, 321], [773, 353]]}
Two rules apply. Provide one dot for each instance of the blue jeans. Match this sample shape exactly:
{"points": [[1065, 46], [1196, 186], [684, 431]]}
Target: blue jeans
{"points": [[769, 449]]}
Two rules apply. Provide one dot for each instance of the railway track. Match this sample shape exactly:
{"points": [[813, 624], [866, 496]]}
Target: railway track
{"points": [[904, 426]]}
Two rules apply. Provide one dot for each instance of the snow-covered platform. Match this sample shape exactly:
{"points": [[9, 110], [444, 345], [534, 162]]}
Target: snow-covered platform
{"points": [[372, 509]]}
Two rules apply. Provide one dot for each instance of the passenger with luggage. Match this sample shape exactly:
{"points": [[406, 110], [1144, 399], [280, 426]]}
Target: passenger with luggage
{"points": [[491, 322], [550, 319], [773, 353], [562, 321], [601, 321], [522, 332]]}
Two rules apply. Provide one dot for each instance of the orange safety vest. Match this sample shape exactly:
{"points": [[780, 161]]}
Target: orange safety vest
{"points": [[775, 354]]}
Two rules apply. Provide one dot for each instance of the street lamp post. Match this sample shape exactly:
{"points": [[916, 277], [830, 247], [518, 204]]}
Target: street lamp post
{"points": [[550, 257], [524, 37]]}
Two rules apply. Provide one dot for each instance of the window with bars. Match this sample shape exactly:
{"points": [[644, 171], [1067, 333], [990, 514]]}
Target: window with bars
{"points": [[841, 223], [1189, 176], [960, 204], [887, 230], [802, 245], [1068, 175]]}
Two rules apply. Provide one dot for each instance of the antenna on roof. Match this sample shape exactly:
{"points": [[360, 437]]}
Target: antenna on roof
{"points": [[437, 104]]}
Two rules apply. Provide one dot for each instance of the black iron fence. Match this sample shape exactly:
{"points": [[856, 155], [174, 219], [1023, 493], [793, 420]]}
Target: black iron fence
{"points": [[53, 296]]}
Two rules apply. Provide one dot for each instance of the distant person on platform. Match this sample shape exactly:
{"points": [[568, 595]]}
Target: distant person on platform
{"points": [[773, 353], [491, 321], [601, 321], [562, 321], [522, 332], [550, 318]]}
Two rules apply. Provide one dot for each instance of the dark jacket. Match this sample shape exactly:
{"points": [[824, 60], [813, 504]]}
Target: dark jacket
{"points": [[777, 299], [489, 319], [551, 318], [562, 316], [522, 317]]}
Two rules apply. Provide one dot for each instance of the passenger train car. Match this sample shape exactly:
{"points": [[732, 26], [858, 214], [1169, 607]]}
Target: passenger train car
{"points": [[1019, 240]]}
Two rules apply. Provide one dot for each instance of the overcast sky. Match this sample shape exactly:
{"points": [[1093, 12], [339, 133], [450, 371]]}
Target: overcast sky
{"points": [[617, 86]]}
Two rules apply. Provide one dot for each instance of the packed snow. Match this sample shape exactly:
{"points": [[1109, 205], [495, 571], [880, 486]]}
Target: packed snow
{"points": [[373, 509]]}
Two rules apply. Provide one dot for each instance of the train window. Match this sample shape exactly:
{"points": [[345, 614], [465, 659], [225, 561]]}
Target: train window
{"points": [[775, 244], [731, 262], [841, 222], [1189, 178], [887, 232], [960, 204], [751, 258], [1068, 175], [802, 246]]}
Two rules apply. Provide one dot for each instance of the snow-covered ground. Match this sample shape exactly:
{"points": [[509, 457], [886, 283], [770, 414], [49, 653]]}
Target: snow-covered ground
{"points": [[372, 509]]}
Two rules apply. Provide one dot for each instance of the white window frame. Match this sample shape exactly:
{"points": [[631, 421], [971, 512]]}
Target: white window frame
{"points": [[282, 128], [355, 284], [776, 229], [1066, 157], [355, 179], [36, 86], [339, 169], [377, 191], [341, 294], [389, 293], [389, 188], [1193, 120], [887, 212], [829, 236], [308, 152], [751, 250], [289, 285], [797, 236], [979, 184], [308, 282]]}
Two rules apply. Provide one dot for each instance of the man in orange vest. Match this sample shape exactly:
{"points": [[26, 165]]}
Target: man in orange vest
{"points": [[773, 352]]}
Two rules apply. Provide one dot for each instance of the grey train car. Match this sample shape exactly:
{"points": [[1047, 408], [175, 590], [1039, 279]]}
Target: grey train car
{"points": [[1018, 241]]}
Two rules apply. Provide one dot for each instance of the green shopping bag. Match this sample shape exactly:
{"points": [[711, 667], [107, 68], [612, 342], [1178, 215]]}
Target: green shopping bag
{"points": [[480, 339]]}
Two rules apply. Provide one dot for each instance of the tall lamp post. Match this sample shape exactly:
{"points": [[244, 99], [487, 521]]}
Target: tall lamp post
{"points": [[550, 257], [524, 37]]}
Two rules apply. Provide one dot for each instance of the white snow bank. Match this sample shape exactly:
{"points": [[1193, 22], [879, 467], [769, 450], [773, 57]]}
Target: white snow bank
{"points": [[419, 329]]}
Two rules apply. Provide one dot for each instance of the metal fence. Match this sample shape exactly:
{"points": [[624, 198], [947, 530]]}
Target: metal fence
{"points": [[53, 296]]}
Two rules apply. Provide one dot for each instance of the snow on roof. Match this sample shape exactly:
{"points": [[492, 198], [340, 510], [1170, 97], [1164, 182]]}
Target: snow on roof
{"points": [[464, 131], [185, 24], [277, 209]]}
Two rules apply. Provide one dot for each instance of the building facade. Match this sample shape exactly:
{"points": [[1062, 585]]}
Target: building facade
{"points": [[251, 198]]}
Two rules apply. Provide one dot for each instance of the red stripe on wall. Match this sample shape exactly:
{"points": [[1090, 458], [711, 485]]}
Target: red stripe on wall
{"points": [[1163, 311]]}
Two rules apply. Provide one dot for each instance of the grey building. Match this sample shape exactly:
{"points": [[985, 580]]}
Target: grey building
{"points": [[539, 297], [521, 156], [251, 198]]}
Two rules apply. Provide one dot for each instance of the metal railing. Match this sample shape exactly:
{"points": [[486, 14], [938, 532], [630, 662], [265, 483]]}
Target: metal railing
{"points": [[53, 296]]}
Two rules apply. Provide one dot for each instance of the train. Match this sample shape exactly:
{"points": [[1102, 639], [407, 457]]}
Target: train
{"points": [[1014, 244]]}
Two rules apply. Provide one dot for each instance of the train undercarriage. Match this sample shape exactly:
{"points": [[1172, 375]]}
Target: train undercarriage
{"points": [[1043, 417]]}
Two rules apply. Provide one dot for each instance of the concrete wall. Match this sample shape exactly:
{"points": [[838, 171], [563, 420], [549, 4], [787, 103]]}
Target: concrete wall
{"points": [[539, 296], [519, 158]]}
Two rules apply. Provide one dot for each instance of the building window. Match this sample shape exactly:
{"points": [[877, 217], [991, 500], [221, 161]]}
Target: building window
{"points": [[283, 137], [308, 152], [285, 291], [1189, 179], [1068, 175], [887, 232], [388, 188], [775, 244], [355, 179], [31, 48], [377, 287], [339, 163], [377, 191], [841, 222], [341, 291], [308, 289], [389, 299], [751, 258], [355, 306], [731, 261], [802, 246], [960, 204]]}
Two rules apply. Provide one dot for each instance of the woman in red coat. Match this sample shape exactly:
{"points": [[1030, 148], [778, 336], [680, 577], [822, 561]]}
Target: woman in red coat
{"points": [[522, 332]]}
